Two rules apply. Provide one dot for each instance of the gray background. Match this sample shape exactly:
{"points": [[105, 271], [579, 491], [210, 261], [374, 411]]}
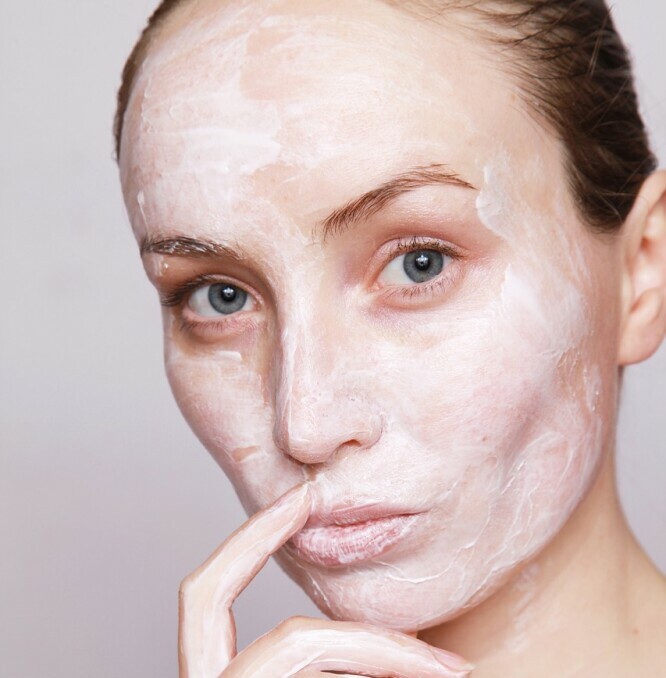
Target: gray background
{"points": [[106, 498]]}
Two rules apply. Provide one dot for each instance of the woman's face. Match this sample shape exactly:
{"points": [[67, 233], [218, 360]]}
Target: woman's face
{"points": [[390, 294]]}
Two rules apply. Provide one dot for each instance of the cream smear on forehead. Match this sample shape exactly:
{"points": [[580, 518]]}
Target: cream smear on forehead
{"points": [[249, 141], [239, 126]]}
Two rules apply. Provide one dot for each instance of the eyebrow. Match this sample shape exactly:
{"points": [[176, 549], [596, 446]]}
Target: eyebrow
{"points": [[336, 223], [368, 204], [183, 246]]}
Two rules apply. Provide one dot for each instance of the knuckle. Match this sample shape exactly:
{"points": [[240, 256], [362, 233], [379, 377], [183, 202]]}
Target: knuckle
{"points": [[293, 624], [186, 587]]}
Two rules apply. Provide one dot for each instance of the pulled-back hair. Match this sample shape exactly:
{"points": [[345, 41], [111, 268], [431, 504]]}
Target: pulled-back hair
{"points": [[573, 71]]}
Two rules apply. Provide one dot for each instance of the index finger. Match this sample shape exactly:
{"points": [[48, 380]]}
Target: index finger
{"points": [[207, 632]]}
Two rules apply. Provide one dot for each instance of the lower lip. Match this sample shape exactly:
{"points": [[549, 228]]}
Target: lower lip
{"points": [[348, 544]]}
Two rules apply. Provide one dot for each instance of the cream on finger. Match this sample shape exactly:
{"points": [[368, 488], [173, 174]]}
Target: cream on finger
{"points": [[307, 644], [207, 632]]}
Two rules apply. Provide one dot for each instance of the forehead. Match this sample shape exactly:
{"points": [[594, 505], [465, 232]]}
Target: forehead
{"points": [[304, 106]]}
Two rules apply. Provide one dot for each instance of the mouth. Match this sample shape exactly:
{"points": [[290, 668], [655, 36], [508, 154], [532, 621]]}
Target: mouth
{"points": [[345, 536]]}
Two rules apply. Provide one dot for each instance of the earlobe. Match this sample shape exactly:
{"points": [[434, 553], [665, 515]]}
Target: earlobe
{"points": [[644, 285]]}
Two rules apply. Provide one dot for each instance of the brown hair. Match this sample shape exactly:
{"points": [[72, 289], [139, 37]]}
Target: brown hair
{"points": [[573, 70]]}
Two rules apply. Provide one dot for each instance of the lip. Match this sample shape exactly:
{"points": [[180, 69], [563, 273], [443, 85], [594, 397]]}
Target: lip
{"points": [[348, 535]]}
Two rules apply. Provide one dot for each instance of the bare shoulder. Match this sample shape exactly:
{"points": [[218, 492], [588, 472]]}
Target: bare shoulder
{"points": [[649, 629]]}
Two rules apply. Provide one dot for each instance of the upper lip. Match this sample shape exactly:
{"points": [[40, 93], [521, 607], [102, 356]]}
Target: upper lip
{"points": [[350, 515]]}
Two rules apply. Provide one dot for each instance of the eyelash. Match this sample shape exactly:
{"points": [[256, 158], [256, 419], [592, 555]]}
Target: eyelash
{"points": [[213, 328], [179, 295]]}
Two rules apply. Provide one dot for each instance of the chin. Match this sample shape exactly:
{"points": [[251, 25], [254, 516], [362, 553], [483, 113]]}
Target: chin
{"points": [[376, 593]]}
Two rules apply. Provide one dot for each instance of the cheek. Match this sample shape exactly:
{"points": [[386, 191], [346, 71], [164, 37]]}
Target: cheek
{"points": [[506, 423], [223, 401], [483, 383]]}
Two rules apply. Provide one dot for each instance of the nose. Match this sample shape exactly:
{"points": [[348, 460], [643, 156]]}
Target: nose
{"points": [[313, 428], [322, 407]]}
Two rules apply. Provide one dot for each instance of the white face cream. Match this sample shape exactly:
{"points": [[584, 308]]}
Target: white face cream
{"points": [[482, 400]]}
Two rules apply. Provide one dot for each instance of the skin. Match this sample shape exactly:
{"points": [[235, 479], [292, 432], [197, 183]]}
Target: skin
{"points": [[485, 400], [207, 635]]}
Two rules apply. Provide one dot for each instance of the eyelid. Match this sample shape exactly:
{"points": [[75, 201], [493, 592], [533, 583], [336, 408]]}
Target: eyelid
{"points": [[211, 329], [420, 243]]}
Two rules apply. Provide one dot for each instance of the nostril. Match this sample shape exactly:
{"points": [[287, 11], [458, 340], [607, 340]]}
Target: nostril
{"points": [[317, 430], [352, 444]]}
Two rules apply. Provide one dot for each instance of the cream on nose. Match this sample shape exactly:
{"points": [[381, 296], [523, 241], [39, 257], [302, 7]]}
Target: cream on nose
{"points": [[312, 428], [322, 389]]}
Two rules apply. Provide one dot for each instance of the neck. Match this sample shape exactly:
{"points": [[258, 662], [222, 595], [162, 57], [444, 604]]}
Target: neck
{"points": [[582, 607]]}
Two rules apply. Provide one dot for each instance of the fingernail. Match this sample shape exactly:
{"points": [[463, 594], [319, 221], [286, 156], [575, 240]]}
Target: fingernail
{"points": [[293, 495], [451, 661]]}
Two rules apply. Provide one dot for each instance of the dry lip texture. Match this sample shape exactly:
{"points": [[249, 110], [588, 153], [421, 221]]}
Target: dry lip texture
{"points": [[337, 545]]}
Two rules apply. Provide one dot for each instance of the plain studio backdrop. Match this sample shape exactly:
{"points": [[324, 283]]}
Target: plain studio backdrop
{"points": [[106, 498]]}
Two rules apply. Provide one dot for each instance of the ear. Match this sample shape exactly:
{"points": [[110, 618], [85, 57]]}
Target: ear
{"points": [[643, 324]]}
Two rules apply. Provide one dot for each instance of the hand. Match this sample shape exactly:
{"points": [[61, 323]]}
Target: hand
{"points": [[297, 647]]}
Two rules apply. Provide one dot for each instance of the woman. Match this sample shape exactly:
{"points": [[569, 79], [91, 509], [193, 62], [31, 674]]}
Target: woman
{"points": [[405, 251]]}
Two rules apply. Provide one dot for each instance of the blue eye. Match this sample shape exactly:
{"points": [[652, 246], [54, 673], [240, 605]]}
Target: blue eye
{"points": [[417, 266], [220, 298], [423, 265]]}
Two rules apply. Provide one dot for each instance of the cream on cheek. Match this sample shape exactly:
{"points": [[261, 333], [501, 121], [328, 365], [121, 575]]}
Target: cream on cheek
{"points": [[223, 401]]}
